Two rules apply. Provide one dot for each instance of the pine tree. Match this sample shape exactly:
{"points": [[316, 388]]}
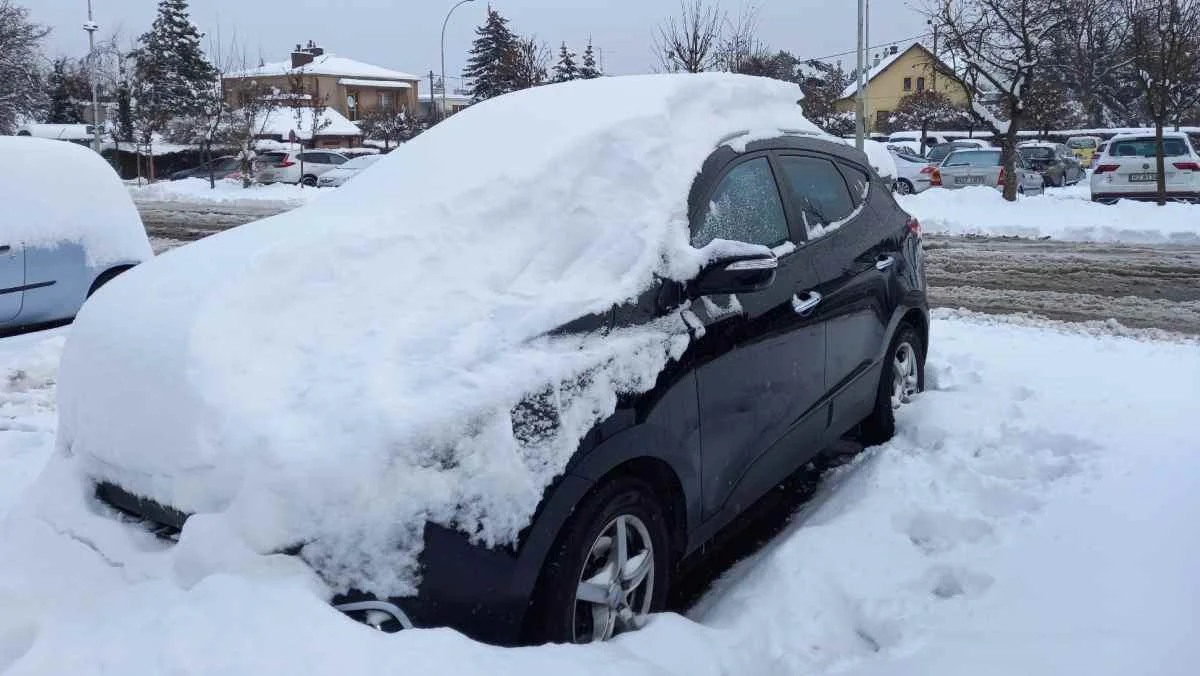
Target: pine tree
{"points": [[493, 59], [589, 71], [171, 64], [566, 70], [62, 109]]}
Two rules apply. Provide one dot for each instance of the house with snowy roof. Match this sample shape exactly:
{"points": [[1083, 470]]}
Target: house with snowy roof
{"points": [[352, 89], [895, 74]]}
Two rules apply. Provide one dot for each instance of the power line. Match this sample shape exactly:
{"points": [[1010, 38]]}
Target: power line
{"points": [[852, 51]]}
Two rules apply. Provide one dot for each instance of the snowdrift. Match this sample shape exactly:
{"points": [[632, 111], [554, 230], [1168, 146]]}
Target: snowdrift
{"points": [[341, 374], [59, 192]]}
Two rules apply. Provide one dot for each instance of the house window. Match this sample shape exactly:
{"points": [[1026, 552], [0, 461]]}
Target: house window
{"points": [[908, 84], [920, 84], [386, 102], [352, 105], [881, 119]]}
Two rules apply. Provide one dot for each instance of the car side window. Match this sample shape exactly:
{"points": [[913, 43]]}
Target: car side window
{"points": [[745, 207], [316, 158], [820, 190], [337, 159], [858, 180]]}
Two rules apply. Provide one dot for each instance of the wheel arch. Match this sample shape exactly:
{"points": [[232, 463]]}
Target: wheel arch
{"points": [[107, 276]]}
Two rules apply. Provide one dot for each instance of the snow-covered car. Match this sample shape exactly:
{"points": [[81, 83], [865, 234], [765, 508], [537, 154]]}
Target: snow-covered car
{"points": [[347, 171], [1085, 148], [967, 168], [296, 166], [1056, 162], [60, 242], [1129, 169], [511, 395], [932, 138], [914, 174], [939, 152]]}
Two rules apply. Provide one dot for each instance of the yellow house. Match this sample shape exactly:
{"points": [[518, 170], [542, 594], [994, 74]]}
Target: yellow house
{"points": [[896, 75]]}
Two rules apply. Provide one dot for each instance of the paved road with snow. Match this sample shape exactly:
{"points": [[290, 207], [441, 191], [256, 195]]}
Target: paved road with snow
{"points": [[1145, 286]]}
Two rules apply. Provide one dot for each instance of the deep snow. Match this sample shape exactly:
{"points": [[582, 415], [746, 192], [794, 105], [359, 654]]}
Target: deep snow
{"points": [[1035, 515], [98, 214], [226, 191], [1067, 214]]}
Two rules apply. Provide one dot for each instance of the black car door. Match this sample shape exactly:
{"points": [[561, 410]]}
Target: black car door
{"points": [[760, 362], [854, 257]]}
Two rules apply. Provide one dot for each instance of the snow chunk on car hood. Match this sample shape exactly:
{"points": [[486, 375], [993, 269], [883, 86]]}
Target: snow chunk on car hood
{"points": [[56, 192], [341, 374]]}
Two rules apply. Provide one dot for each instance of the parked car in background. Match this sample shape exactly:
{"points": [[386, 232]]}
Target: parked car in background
{"points": [[222, 167], [1085, 148], [939, 152], [521, 413], [1056, 162], [978, 167], [932, 138], [347, 171], [296, 166], [914, 174], [1129, 169], [60, 243]]}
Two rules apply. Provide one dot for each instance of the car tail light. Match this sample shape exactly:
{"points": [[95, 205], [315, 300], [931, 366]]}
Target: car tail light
{"points": [[284, 163], [928, 170], [914, 226], [936, 178], [1000, 180], [1105, 168], [1188, 166]]}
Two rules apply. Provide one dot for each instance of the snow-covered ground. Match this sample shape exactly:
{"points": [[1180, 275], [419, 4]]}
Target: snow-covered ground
{"points": [[227, 192], [1036, 514], [1066, 214]]}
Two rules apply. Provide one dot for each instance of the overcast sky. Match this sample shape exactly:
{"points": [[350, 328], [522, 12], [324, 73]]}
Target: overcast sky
{"points": [[404, 34]]}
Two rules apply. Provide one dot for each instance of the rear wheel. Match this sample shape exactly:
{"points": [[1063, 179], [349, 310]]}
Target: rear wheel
{"points": [[609, 569], [902, 378], [904, 187], [309, 180]]}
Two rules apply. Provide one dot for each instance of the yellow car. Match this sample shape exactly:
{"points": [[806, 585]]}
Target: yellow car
{"points": [[1084, 148]]}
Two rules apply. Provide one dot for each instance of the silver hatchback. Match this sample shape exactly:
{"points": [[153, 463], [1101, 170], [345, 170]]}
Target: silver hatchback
{"points": [[966, 168]]}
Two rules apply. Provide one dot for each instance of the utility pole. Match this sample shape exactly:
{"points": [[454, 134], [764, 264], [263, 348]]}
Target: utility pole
{"points": [[91, 27], [860, 128], [433, 116], [866, 86]]}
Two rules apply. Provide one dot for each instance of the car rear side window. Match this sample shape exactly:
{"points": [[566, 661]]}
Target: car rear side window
{"points": [[973, 158], [820, 190], [1146, 147], [317, 158], [745, 207], [858, 180]]}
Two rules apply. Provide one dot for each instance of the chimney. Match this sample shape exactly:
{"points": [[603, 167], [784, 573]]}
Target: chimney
{"points": [[301, 57], [895, 49]]}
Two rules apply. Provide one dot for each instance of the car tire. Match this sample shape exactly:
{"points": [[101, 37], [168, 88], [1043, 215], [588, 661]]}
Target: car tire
{"points": [[903, 376], [558, 614], [309, 180], [904, 187]]}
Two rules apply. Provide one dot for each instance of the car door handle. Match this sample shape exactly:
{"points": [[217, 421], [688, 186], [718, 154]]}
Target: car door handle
{"points": [[804, 304], [884, 262]]}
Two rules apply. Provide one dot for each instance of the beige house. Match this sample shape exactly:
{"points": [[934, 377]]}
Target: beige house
{"points": [[895, 75], [352, 88]]}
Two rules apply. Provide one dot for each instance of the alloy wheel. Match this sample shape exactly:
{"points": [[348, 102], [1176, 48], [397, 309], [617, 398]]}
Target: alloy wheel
{"points": [[616, 585], [905, 381]]}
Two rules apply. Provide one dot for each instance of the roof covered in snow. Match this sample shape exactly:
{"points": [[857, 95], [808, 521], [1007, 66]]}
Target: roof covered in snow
{"points": [[326, 64], [344, 373], [883, 65], [64, 132], [282, 120]]}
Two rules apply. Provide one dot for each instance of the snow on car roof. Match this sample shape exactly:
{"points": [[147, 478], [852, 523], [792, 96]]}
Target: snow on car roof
{"points": [[94, 209], [343, 373]]}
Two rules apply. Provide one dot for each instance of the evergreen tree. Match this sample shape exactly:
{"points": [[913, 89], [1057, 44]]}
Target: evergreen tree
{"points": [[494, 54], [62, 109], [170, 63], [566, 69], [589, 71]]}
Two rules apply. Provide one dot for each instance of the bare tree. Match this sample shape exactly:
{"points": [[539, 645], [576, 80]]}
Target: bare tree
{"points": [[252, 105], [21, 90], [531, 62], [997, 46], [307, 104], [925, 110], [690, 42], [739, 48], [388, 125], [1091, 51], [1165, 42]]}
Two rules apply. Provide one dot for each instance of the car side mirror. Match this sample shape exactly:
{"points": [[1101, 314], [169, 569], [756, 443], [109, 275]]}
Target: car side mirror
{"points": [[735, 274]]}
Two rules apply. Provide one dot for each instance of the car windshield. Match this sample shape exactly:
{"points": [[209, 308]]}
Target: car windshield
{"points": [[974, 158], [361, 162], [939, 153], [1145, 147], [909, 157], [1037, 153], [1081, 143]]}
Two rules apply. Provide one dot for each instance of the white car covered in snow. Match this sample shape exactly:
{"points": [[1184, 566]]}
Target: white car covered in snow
{"points": [[1128, 169], [339, 175], [60, 241]]}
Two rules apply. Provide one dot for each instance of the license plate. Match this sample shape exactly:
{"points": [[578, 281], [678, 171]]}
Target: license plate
{"points": [[1143, 178], [968, 180]]}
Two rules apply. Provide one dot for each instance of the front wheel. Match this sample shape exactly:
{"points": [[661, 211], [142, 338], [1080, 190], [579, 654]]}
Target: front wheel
{"points": [[903, 378], [609, 569], [904, 187], [309, 180]]}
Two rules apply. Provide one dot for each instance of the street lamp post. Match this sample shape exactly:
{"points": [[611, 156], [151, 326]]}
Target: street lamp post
{"points": [[460, 4], [91, 27]]}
